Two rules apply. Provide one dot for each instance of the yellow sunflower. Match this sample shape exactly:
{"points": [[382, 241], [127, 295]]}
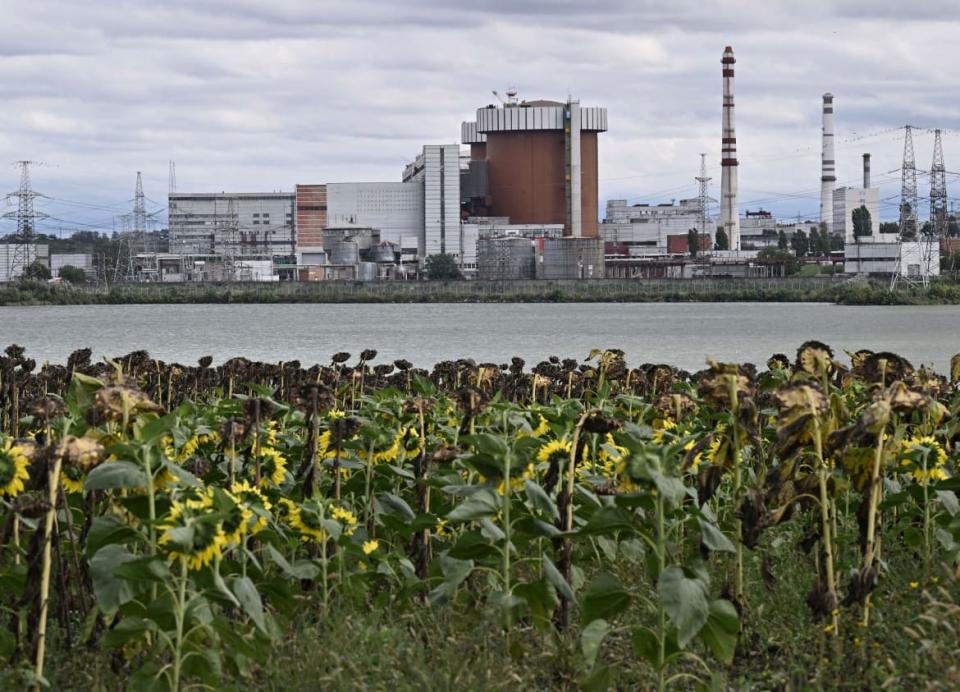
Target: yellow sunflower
{"points": [[72, 478], [14, 466], [237, 521], [307, 519], [661, 427], [205, 542], [252, 497], [936, 459], [411, 443], [554, 450], [273, 466]]}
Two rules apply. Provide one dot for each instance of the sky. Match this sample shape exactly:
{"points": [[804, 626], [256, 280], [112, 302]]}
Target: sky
{"points": [[249, 95]]}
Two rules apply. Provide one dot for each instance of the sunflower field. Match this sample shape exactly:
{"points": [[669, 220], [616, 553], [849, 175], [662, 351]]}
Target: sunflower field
{"points": [[572, 525]]}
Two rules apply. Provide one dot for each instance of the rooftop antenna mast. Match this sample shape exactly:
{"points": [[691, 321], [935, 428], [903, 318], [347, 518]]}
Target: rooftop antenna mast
{"points": [[24, 249]]}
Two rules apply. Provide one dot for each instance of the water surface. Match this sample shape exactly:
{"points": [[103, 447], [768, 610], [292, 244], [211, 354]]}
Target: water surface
{"points": [[681, 334]]}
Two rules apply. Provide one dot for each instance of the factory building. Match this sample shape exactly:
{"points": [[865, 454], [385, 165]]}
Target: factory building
{"points": [[240, 225], [437, 168], [648, 226], [540, 160], [396, 209], [846, 200], [911, 260], [10, 253]]}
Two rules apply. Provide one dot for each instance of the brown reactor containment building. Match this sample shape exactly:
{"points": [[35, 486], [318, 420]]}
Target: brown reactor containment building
{"points": [[541, 162]]}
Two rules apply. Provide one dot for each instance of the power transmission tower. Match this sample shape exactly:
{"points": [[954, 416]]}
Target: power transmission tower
{"points": [[703, 198], [938, 190], [24, 249], [908, 208]]}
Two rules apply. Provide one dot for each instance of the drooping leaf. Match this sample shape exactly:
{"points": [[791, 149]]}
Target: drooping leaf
{"points": [[249, 597], [685, 600], [554, 577], [714, 538], [605, 597], [483, 503], [721, 630], [591, 638], [115, 474], [111, 591], [540, 501]]}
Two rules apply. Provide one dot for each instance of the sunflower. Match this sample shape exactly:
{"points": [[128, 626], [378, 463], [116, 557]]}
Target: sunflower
{"points": [[13, 469], [198, 547], [345, 517], [308, 520], [252, 497], [661, 427], [698, 457], [390, 452], [72, 478], [273, 466], [936, 458], [554, 450], [411, 443], [517, 482], [543, 427], [237, 522], [370, 546]]}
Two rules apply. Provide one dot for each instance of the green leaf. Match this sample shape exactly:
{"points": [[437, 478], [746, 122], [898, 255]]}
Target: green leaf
{"points": [[111, 591], [721, 630], [396, 506], [685, 600], [541, 599], [483, 503], [249, 598], [671, 488], [182, 475], [553, 575], [151, 568], [539, 499], [607, 521], [591, 638], [714, 538], [109, 529], [302, 569], [949, 501], [115, 474], [454, 572], [646, 645], [604, 598], [127, 629]]}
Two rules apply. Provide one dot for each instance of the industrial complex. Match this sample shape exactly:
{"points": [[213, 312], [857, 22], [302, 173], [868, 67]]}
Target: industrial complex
{"points": [[517, 197]]}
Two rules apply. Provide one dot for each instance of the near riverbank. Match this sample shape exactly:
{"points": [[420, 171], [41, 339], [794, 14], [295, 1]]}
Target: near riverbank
{"points": [[797, 289]]}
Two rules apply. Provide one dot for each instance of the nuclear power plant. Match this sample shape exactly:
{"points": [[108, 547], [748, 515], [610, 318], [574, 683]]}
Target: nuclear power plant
{"points": [[729, 191]]}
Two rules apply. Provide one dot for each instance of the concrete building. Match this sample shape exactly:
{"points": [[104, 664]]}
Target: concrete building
{"points": [[848, 199], [83, 261], [240, 225], [309, 223], [396, 209], [36, 252], [541, 162], [881, 258], [648, 225], [437, 168]]}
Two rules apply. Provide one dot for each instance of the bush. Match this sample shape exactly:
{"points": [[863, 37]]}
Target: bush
{"points": [[74, 275]]}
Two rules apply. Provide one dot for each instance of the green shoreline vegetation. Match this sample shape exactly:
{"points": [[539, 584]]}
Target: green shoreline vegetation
{"points": [[797, 289], [560, 525]]}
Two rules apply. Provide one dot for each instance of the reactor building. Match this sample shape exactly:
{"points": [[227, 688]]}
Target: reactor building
{"points": [[540, 160]]}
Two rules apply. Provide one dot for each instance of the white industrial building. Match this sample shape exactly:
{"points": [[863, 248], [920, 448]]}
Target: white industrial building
{"points": [[437, 168], [649, 226], [916, 260], [241, 225], [31, 253], [848, 199], [395, 209], [83, 261]]}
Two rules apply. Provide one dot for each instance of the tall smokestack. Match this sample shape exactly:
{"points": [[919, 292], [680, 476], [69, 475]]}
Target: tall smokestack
{"points": [[866, 171], [729, 208], [828, 171]]}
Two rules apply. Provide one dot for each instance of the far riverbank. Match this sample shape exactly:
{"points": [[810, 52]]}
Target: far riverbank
{"points": [[794, 289]]}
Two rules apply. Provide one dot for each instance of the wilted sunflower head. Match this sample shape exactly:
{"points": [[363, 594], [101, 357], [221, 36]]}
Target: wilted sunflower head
{"points": [[45, 408], [955, 370], [368, 354], [722, 381], [341, 357], [83, 453], [14, 352], [778, 361], [676, 405], [205, 362], [904, 400], [885, 367], [110, 403], [797, 405], [815, 358]]}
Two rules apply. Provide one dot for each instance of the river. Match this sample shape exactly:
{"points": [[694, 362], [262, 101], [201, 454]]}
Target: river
{"points": [[681, 334]]}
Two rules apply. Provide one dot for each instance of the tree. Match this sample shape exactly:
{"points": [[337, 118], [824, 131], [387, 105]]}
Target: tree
{"points": [[782, 242], [442, 266], [800, 243], [862, 223], [74, 275], [723, 242], [775, 254], [890, 227], [693, 242], [37, 271]]}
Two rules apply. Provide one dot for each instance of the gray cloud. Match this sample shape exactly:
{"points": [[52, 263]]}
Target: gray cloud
{"points": [[247, 95]]}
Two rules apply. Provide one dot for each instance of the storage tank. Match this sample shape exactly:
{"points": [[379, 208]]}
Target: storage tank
{"points": [[343, 252], [500, 259], [385, 252], [569, 258], [367, 271]]}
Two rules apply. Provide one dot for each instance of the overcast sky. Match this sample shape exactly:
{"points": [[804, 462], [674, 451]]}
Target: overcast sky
{"points": [[258, 95]]}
